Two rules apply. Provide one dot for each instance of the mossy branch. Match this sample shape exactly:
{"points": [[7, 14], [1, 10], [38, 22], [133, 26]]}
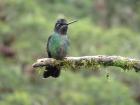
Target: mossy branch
{"points": [[91, 62]]}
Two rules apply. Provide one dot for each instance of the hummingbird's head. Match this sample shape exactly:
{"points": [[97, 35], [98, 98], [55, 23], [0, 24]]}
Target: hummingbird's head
{"points": [[61, 26]]}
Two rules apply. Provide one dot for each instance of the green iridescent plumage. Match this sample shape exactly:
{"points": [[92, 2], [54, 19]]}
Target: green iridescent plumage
{"points": [[58, 45]]}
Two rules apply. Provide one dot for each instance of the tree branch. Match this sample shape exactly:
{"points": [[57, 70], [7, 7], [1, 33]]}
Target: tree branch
{"points": [[91, 62]]}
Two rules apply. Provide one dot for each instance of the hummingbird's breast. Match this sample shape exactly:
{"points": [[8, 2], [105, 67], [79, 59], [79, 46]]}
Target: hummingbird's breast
{"points": [[58, 46]]}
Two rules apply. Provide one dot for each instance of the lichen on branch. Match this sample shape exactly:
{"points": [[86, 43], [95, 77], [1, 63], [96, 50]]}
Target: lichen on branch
{"points": [[91, 62]]}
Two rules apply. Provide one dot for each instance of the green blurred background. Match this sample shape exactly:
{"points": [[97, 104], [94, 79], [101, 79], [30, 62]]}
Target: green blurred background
{"points": [[108, 27]]}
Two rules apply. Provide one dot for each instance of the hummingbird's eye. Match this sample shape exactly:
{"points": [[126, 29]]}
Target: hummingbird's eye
{"points": [[58, 25]]}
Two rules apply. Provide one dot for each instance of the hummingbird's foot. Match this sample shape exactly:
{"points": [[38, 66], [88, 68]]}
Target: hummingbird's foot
{"points": [[65, 58]]}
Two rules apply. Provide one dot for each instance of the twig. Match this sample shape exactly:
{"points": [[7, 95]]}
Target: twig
{"points": [[91, 61]]}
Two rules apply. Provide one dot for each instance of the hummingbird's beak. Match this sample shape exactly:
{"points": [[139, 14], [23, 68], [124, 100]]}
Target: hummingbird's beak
{"points": [[72, 22]]}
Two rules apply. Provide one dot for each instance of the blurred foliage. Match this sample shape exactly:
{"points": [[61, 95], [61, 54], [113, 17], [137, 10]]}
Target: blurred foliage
{"points": [[104, 27]]}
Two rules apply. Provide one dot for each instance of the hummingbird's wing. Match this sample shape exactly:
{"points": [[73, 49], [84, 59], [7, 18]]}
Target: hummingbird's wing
{"points": [[51, 70], [49, 54]]}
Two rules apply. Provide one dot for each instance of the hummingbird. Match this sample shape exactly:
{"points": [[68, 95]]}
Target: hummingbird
{"points": [[57, 46]]}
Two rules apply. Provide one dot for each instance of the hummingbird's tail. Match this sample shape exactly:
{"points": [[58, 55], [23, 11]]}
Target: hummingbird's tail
{"points": [[51, 71]]}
